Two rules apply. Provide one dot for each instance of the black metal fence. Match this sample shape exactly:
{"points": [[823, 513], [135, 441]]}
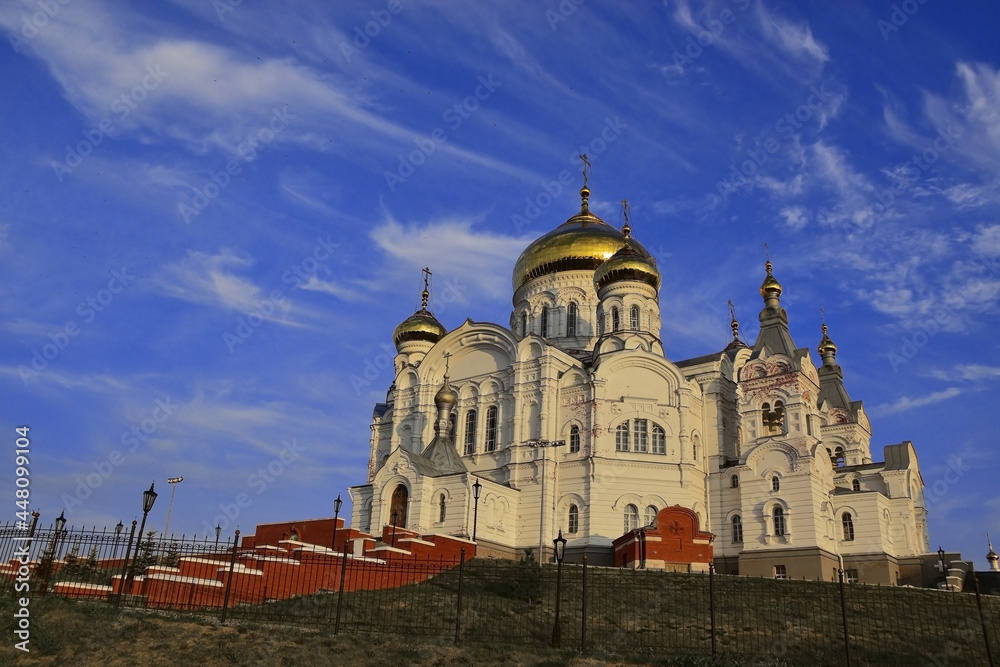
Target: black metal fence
{"points": [[614, 611]]}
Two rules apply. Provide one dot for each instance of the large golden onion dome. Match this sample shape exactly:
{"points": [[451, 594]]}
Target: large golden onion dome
{"points": [[582, 243], [422, 325]]}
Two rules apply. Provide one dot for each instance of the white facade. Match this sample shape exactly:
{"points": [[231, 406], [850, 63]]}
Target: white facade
{"points": [[574, 419]]}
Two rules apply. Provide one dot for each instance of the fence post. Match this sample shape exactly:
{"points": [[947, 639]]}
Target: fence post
{"points": [[583, 608], [843, 613], [340, 591], [982, 621], [124, 579], [229, 580], [711, 602], [458, 609]]}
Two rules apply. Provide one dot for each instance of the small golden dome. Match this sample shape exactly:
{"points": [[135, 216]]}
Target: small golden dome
{"points": [[582, 243], [422, 325], [826, 346], [770, 286], [445, 395], [627, 264]]}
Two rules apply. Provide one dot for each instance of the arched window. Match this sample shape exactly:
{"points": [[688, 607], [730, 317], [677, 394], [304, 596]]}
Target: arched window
{"points": [[838, 457], [737, 528], [695, 448], [779, 521], [659, 440], [734, 482], [574, 519], [571, 314], [470, 432], [544, 323], [616, 323], [631, 517], [650, 518], [491, 428], [621, 437], [442, 509], [855, 485], [524, 324], [775, 483], [574, 439], [633, 318], [848, 527], [641, 433]]}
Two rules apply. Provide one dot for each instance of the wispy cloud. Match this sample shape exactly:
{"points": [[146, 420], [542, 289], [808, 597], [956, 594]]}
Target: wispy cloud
{"points": [[968, 372], [906, 403]]}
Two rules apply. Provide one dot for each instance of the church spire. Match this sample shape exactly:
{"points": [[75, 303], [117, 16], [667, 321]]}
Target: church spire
{"points": [[827, 348], [585, 191], [426, 294], [992, 557], [735, 343], [626, 228], [770, 289]]}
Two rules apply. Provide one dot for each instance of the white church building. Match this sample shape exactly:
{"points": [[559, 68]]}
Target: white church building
{"points": [[572, 418]]}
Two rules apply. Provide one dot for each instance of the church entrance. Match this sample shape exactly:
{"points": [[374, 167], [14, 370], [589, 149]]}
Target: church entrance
{"points": [[397, 506]]}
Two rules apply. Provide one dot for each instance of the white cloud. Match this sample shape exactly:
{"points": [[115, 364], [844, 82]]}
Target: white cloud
{"points": [[795, 39], [796, 217], [452, 247], [906, 403], [968, 372]]}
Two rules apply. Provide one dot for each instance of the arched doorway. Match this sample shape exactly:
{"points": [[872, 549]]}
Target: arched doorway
{"points": [[397, 506]]}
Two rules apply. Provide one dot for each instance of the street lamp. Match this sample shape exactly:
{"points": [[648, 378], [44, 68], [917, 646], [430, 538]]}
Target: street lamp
{"points": [[394, 528], [173, 482], [477, 489], [60, 528], [218, 531], [337, 504], [148, 498], [560, 545], [118, 533], [944, 572]]}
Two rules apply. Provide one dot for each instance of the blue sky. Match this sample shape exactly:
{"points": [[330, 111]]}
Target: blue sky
{"points": [[213, 214]]}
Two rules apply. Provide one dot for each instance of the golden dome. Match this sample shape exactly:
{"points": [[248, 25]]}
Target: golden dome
{"points": [[770, 284], [422, 325], [445, 395], [582, 243], [628, 264], [826, 346]]}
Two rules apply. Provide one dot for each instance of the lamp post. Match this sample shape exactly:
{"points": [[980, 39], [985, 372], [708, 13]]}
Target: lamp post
{"points": [[944, 572], [394, 528], [60, 529], [31, 530], [337, 504], [477, 489], [560, 545], [642, 548], [118, 533], [173, 482], [148, 498], [49, 556], [218, 531]]}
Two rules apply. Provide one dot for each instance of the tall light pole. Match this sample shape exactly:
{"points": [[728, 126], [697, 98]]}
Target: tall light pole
{"points": [[173, 482], [394, 528], [560, 545], [148, 498], [477, 489], [218, 531], [944, 572], [337, 504]]}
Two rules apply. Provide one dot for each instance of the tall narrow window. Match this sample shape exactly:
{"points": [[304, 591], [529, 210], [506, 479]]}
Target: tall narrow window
{"points": [[574, 439], [838, 457], [779, 521], [633, 318], [621, 437], [650, 518], [524, 324], [734, 482], [695, 448], [848, 527], [491, 428], [571, 314], [544, 323], [737, 529], [442, 509], [574, 519], [775, 483], [616, 323], [470, 432], [659, 440], [641, 432], [631, 517], [855, 485]]}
